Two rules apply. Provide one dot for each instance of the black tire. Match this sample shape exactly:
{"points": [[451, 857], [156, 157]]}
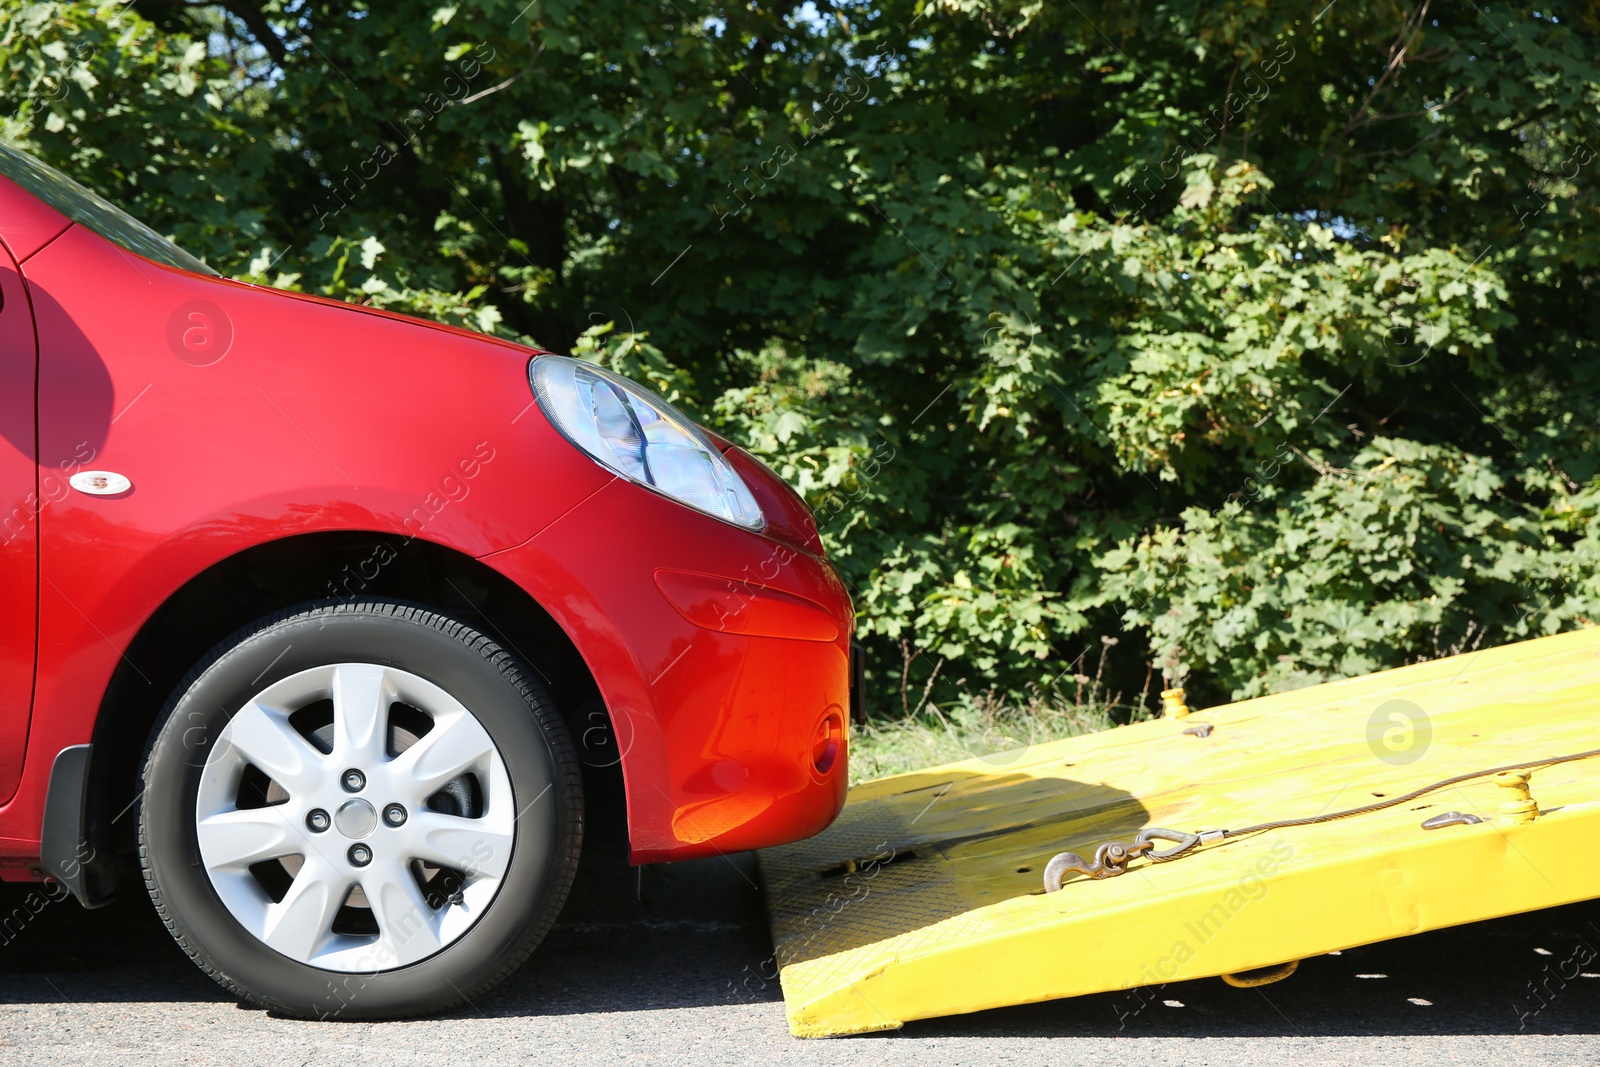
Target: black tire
{"points": [[501, 693]]}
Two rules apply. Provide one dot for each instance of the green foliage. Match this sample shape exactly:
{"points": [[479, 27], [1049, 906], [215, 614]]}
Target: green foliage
{"points": [[1261, 337], [1363, 561]]}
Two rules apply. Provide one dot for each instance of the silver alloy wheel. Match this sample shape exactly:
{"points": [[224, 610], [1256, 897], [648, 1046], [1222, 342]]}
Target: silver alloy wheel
{"points": [[355, 817]]}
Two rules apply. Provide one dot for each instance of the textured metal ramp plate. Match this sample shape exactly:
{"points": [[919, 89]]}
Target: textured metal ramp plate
{"points": [[925, 897]]}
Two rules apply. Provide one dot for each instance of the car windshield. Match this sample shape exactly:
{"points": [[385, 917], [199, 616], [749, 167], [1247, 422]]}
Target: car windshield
{"points": [[93, 210]]}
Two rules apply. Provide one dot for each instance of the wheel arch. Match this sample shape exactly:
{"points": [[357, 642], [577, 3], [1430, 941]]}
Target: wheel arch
{"points": [[321, 566]]}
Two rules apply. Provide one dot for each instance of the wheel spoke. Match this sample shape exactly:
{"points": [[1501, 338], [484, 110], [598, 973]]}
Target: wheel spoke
{"points": [[455, 745], [300, 923], [236, 839], [480, 847], [408, 929], [263, 736], [361, 701]]}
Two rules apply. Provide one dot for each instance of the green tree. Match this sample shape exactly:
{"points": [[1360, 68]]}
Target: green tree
{"points": [[1261, 335]]}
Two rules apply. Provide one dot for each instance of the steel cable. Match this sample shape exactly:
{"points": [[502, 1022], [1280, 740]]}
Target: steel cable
{"points": [[1390, 802]]}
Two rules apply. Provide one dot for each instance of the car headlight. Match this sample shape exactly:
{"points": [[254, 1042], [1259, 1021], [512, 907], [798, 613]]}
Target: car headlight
{"points": [[628, 429]]}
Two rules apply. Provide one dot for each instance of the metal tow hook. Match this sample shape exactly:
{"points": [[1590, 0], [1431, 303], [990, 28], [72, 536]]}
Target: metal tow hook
{"points": [[1112, 858]]}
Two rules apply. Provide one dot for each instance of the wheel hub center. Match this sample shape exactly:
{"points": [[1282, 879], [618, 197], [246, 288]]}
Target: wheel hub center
{"points": [[356, 818]]}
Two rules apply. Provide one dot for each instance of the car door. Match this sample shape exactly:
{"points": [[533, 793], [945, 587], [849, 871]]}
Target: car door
{"points": [[20, 497]]}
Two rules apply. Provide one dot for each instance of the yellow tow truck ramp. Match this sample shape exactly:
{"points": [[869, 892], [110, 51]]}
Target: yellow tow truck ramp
{"points": [[927, 896]]}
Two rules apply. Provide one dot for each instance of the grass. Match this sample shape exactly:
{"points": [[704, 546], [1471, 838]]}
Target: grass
{"points": [[884, 748], [985, 725]]}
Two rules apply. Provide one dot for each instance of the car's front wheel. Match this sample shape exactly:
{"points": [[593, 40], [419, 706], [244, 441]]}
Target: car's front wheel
{"points": [[360, 811]]}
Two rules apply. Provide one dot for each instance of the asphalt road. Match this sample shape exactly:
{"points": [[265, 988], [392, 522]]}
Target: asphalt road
{"points": [[665, 968]]}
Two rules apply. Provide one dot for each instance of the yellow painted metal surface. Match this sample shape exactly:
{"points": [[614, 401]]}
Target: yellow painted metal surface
{"points": [[925, 898]]}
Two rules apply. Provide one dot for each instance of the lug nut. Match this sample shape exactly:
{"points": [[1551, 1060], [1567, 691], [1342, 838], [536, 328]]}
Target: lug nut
{"points": [[360, 855], [394, 815], [317, 820], [354, 781]]}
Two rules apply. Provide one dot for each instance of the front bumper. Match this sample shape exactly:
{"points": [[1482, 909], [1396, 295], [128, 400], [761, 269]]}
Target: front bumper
{"points": [[723, 657]]}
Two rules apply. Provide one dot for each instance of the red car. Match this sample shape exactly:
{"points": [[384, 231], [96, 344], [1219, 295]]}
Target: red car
{"points": [[341, 621]]}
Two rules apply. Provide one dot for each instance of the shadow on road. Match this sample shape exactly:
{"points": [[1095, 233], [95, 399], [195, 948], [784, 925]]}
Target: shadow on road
{"points": [[695, 935]]}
